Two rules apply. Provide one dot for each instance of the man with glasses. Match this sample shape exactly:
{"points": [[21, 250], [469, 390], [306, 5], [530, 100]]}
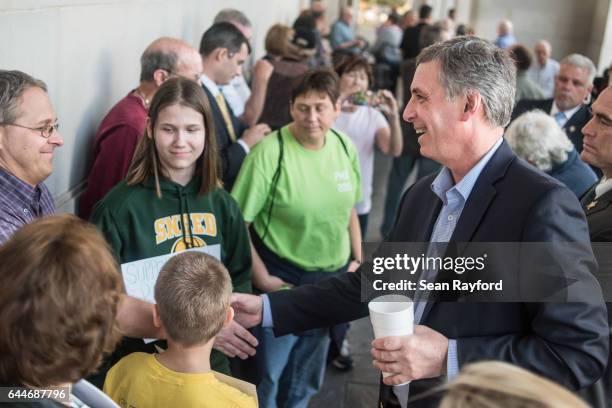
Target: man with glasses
{"points": [[120, 130], [28, 136]]}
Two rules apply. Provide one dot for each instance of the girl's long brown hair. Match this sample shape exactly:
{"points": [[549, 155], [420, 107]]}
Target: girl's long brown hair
{"points": [[145, 162]]}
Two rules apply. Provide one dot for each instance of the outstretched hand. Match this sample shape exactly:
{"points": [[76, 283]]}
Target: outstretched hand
{"points": [[248, 309], [234, 340]]}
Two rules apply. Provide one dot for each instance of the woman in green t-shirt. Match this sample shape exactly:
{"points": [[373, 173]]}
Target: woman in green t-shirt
{"points": [[297, 188]]}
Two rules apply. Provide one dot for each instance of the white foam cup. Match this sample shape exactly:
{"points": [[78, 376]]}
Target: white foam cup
{"points": [[392, 315]]}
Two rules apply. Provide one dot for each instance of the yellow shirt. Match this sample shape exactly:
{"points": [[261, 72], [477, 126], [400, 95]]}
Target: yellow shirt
{"points": [[140, 381]]}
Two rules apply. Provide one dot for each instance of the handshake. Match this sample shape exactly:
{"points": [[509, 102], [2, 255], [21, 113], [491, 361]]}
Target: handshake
{"points": [[235, 340]]}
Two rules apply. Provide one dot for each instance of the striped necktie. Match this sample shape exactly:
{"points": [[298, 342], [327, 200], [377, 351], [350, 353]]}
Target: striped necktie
{"points": [[226, 116]]}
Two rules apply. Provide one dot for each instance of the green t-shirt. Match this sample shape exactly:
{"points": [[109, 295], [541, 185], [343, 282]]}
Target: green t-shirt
{"points": [[314, 196]]}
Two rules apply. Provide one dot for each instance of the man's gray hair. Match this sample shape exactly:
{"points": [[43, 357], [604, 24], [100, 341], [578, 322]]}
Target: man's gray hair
{"points": [[230, 15], [12, 86], [471, 64], [580, 61], [152, 60], [537, 138]]}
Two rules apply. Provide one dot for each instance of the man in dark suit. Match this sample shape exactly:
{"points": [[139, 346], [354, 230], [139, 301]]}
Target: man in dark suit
{"points": [[224, 49], [485, 194], [597, 204], [569, 107]]}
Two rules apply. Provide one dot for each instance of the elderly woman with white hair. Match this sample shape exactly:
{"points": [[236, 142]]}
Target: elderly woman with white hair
{"points": [[537, 138]]}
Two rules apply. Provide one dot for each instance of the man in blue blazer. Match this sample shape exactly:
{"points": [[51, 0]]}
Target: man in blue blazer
{"points": [[462, 97]]}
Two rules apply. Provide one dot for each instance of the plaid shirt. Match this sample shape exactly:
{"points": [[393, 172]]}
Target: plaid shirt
{"points": [[20, 203]]}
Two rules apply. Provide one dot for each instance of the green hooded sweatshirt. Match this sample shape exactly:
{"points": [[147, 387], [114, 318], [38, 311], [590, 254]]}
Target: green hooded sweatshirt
{"points": [[139, 225]]}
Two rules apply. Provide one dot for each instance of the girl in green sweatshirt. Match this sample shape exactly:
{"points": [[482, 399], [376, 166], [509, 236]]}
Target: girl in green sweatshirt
{"points": [[171, 199]]}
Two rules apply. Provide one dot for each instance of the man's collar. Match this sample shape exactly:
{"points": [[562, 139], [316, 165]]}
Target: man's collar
{"points": [[26, 192], [568, 113], [603, 187], [444, 182], [210, 85]]}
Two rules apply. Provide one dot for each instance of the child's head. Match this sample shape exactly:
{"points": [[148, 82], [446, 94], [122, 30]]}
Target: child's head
{"points": [[193, 298]]}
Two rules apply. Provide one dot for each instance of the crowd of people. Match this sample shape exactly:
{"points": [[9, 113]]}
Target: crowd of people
{"points": [[251, 202]]}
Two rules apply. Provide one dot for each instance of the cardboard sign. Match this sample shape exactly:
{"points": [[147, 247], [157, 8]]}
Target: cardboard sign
{"points": [[242, 386], [140, 276]]}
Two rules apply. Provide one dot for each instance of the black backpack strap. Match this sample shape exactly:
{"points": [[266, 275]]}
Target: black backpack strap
{"points": [[341, 141], [275, 178]]}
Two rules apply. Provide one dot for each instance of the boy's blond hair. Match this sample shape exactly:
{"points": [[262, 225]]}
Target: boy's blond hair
{"points": [[193, 295]]}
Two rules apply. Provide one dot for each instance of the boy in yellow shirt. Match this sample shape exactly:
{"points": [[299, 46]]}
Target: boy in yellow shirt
{"points": [[193, 304]]}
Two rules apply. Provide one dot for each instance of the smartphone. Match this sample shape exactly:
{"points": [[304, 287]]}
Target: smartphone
{"points": [[367, 98]]}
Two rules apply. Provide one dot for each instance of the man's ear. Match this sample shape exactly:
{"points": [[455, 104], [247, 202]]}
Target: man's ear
{"points": [[220, 54], [471, 104], [160, 76], [587, 98], [229, 316], [156, 319], [2, 136], [149, 127]]}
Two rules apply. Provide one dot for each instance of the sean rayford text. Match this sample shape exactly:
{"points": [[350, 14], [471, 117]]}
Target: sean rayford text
{"points": [[424, 285]]}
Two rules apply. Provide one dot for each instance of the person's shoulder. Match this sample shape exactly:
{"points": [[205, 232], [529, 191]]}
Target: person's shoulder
{"points": [[131, 363], [533, 183], [526, 105], [343, 140], [269, 146], [121, 195], [128, 112], [222, 197]]}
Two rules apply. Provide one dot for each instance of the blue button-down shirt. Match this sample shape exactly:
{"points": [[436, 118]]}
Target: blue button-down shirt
{"points": [[20, 203]]}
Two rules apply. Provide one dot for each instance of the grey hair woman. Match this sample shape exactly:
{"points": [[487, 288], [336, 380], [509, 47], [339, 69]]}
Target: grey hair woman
{"points": [[537, 138]]}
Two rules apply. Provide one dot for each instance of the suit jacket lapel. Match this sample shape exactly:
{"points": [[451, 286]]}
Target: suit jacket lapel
{"points": [[482, 194], [475, 208], [415, 222], [577, 119], [588, 197], [598, 204]]}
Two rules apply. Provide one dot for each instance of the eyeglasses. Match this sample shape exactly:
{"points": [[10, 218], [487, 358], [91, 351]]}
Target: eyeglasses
{"points": [[45, 131]]}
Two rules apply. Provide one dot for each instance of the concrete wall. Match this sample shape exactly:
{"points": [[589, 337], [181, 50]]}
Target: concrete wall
{"points": [[569, 25], [87, 51], [602, 35]]}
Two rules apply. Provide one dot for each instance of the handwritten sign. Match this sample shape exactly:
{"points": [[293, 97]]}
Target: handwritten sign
{"points": [[140, 276]]}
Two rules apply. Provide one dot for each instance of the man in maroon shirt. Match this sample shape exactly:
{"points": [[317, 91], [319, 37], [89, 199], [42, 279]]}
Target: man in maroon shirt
{"points": [[124, 124]]}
